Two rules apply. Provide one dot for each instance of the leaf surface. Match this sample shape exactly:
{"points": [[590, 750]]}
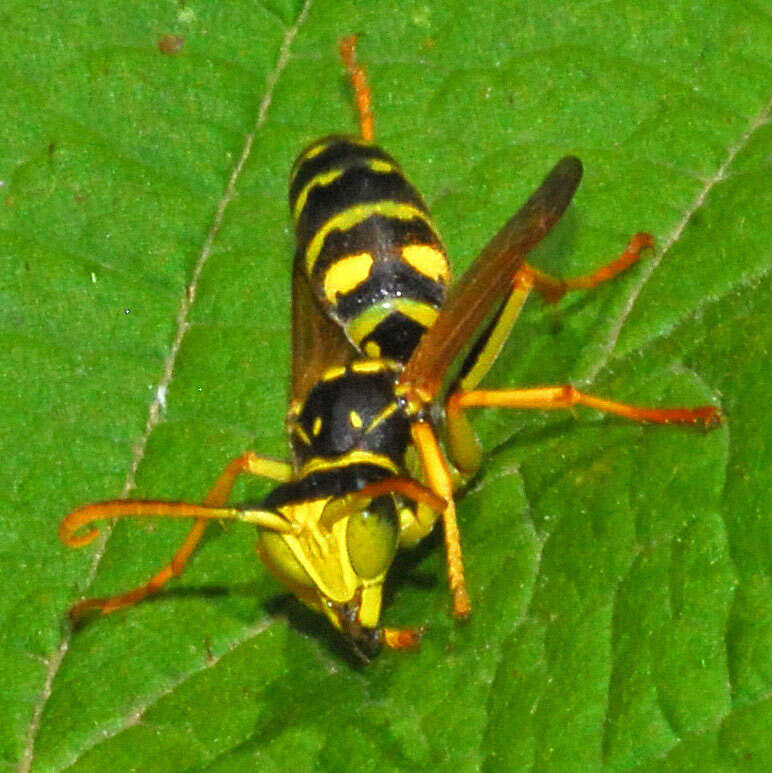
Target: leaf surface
{"points": [[620, 573]]}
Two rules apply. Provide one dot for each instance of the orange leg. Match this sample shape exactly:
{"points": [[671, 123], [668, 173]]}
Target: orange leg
{"points": [[553, 288], [358, 78], [438, 477], [403, 639], [463, 445], [217, 496], [548, 398]]}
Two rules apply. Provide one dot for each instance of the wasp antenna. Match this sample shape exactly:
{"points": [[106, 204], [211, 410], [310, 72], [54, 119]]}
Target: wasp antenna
{"points": [[123, 508]]}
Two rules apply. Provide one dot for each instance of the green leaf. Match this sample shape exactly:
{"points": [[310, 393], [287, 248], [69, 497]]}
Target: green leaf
{"points": [[620, 573]]}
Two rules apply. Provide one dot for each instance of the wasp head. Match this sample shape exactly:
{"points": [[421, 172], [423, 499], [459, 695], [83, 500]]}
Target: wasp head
{"points": [[335, 562]]}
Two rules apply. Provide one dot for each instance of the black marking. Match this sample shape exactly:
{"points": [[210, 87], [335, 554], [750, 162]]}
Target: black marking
{"points": [[325, 483], [389, 280], [342, 153], [383, 237], [357, 185], [396, 336]]}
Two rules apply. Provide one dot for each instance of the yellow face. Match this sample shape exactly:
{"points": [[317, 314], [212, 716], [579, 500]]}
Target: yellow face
{"points": [[337, 570]]}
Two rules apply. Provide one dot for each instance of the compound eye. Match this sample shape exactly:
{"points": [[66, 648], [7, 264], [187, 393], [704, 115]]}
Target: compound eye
{"points": [[371, 537], [281, 559]]}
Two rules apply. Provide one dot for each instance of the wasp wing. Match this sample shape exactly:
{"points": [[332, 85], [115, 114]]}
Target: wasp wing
{"points": [[318, 343], [489, 278]]}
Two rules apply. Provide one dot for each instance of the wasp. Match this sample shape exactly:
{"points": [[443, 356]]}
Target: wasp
{"points": [[378, 444]]}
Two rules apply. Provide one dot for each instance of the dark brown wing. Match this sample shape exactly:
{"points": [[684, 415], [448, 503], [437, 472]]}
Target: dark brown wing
{"points": [[488, 278], [318, 343]]}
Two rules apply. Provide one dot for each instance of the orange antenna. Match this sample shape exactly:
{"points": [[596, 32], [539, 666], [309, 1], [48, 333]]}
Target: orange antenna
{"points": [[120, 508], [358, 78], [339, 508]]}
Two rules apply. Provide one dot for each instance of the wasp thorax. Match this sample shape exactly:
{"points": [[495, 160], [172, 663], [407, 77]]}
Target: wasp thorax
{"points": [[349, 410]]}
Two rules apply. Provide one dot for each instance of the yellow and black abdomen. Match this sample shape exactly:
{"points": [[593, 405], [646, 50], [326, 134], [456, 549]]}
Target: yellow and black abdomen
{"points": [[365, 237]]}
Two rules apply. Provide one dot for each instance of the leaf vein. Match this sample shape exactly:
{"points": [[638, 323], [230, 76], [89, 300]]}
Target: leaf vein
{"points": [[154, 410], [136, 715], [649, 268]]}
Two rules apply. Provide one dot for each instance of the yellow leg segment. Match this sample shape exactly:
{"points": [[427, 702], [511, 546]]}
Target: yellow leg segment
{"points": [[218, 495], [463, 445], [416, 524], [438, 477]]}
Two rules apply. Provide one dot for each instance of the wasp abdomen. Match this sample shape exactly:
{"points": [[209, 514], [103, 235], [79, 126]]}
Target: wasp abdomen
{"points": [[368, 245]]}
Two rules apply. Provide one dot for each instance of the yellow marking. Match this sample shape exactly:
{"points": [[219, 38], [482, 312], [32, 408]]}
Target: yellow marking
{"points": [[382, 167], [419, 311], [332, 373], [415, 398], [346, 274], [268, 468], [317, 426], [315, 151], [321, 554], [355, 420], [370, 608], [325, 178], [346, 460], [372, 349], [320, 147], [491, 348], [381, 416], [428, 261], [312, 152], [358, 214], [301, 433], [360, 327], [371, 366]]}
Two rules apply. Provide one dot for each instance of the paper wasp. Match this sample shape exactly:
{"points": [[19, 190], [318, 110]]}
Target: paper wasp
{"points": [[378, 447]]}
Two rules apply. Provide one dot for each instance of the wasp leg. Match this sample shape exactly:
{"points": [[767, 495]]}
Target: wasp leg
{"points": [[437, 475], [402, 638], [415, 524], [553, 289], [463, 445], [218, 495], [358, 78], [552, 397]]}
